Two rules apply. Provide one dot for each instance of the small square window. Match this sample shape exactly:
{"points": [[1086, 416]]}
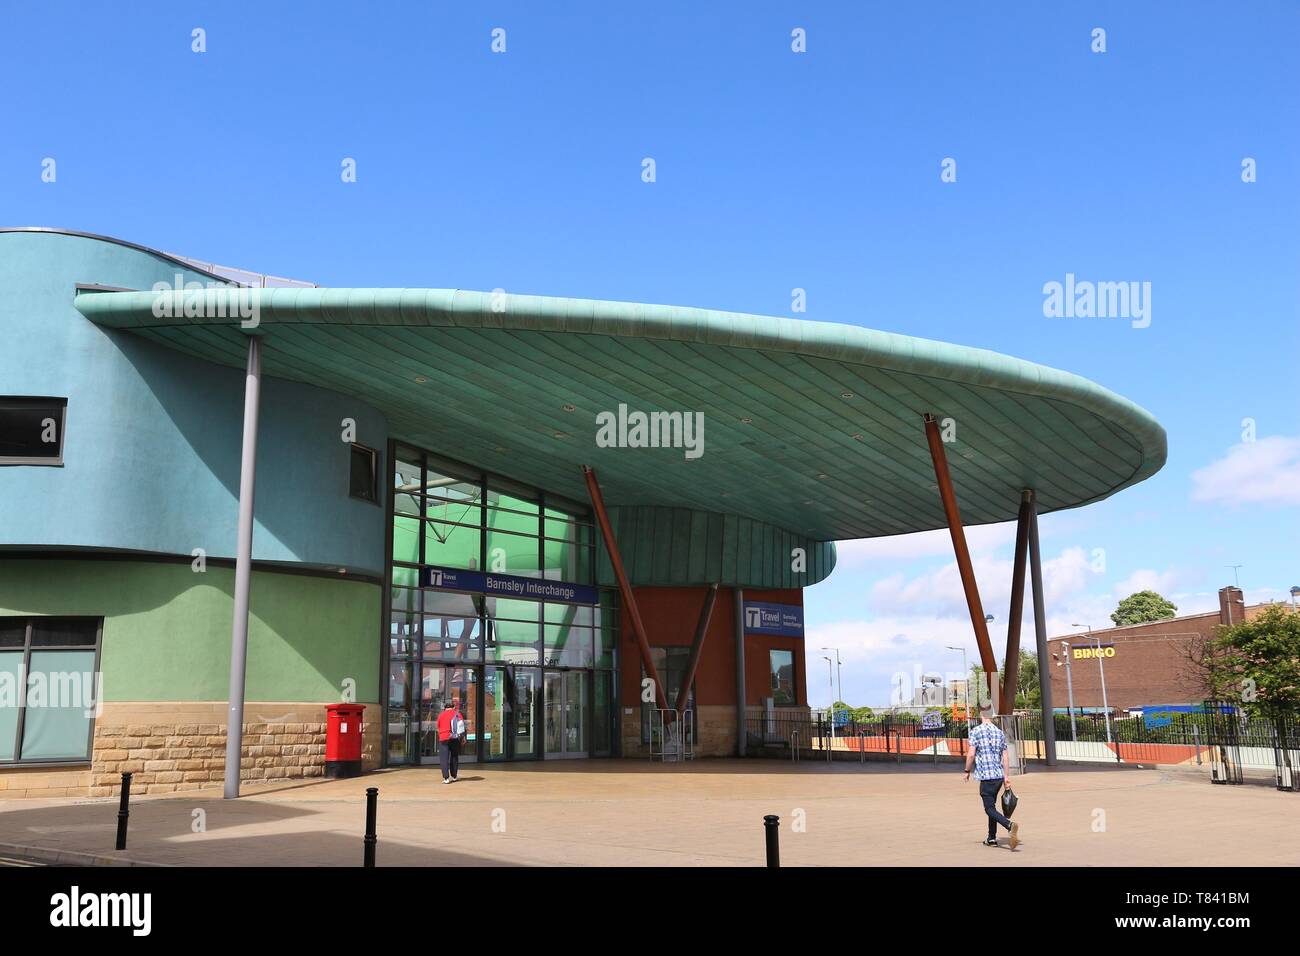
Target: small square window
{"points": [[31, 430], [363, 482]]}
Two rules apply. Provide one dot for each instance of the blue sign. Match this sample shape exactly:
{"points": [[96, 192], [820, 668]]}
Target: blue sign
{"points": [[1162, 715], [507, 585], [781, 620]]}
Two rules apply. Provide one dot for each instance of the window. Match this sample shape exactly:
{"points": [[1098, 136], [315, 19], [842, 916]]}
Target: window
{"points": [[782, 663], [54, 662], [364, 479], [31, 430]]}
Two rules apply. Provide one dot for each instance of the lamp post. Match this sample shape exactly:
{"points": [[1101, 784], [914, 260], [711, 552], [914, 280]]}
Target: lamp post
{"points": [[1105, 706], [830, 680], [839, 684], [965, 683], [991, 679], [1069, 684]]}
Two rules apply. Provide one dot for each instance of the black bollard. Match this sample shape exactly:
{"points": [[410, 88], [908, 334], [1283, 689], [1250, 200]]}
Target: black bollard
{"points": [[372, 807], [771, 828], [123, 811]]}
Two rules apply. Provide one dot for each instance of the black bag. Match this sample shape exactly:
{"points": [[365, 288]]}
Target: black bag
{"points": [[1009, 802]]}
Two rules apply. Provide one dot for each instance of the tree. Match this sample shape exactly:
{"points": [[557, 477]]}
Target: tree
{"points": [[1143, 606], [1257, 663], [1028, 693], [980, 691]]}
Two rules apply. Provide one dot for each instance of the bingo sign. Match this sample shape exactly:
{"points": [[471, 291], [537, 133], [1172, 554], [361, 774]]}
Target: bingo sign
{"points": [[779, 620]]}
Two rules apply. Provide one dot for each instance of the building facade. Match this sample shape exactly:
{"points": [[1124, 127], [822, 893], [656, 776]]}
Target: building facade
{"points": [[1143, 664], [405, 508]]}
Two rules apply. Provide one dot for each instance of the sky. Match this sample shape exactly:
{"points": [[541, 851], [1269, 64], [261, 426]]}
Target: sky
{"points": [[773, 170]]}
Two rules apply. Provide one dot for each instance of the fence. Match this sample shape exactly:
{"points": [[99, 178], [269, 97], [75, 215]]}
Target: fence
{"points": [[1229, 743]]}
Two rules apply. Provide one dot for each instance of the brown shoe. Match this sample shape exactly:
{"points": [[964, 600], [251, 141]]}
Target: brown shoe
{"points": [[1015, 836]]}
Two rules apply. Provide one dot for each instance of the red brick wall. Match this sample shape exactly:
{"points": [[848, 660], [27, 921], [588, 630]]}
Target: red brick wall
{"points": [[670, 616], [1151, 662], [1150, 665]]}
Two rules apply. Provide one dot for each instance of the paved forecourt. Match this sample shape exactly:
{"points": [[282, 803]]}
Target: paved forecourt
{"points": [[705, 813]]}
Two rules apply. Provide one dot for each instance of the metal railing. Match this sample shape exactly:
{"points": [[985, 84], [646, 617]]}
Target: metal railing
{"points": [[1216, 734], [672, 739]]}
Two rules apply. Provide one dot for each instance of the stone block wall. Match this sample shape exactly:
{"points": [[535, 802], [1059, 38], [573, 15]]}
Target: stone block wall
{"points": [[169, 747]]}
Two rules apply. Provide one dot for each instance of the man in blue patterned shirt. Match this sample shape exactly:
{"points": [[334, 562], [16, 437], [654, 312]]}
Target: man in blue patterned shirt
{"points": [[988, 752]]}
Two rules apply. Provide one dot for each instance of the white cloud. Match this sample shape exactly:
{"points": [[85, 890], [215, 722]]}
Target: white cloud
{"points": [[980, 539], [1145, 579], [1266, 471], [910, 623]]}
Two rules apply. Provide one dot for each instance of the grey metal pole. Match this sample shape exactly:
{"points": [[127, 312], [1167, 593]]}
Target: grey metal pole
{"points": [[1040, 635], [1105, 706], [830, 680], [740, 672], [1069, 684], [243, 568]]}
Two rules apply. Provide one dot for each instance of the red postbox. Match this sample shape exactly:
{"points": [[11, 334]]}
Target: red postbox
{"points": [[343, 740]]}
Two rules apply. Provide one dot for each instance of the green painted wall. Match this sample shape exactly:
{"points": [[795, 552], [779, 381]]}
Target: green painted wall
{"points": [[167, 628]]}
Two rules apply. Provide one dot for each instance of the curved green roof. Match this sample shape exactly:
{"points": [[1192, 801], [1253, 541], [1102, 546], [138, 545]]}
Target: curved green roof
{"points": [[812, 427]]}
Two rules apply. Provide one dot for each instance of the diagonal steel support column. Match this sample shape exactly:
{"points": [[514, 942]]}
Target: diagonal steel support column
{"points": [[706, 612], [1017, 606], [243, 568], [624, 586], [1040, 634], [987, 661]]}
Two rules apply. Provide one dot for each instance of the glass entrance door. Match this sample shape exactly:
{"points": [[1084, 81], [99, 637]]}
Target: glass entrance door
{"points": [[567, 713], [438, 683], [510, 705]]}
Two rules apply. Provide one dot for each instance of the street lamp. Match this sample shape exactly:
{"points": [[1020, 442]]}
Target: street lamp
{"points": [[1101, 666], [830, 680], [965, 681], [839, 688], [1069, 683]]}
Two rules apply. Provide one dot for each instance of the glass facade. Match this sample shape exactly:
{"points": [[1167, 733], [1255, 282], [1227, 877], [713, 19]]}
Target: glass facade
{"points": [[534, 678]]}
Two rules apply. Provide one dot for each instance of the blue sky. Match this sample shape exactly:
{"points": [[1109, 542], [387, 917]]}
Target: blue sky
{"points": [[775, 170]]}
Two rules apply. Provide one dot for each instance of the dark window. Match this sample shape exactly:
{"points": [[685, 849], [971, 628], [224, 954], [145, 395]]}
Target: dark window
{"points": [[364, 479], [31, 430]]}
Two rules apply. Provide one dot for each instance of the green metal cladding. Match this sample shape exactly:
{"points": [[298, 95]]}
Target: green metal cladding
{"points": [[677, 546], [810, 427]]}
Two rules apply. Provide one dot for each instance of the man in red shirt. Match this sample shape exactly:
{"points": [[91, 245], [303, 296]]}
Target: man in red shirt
{"points": [[450, 722]]}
